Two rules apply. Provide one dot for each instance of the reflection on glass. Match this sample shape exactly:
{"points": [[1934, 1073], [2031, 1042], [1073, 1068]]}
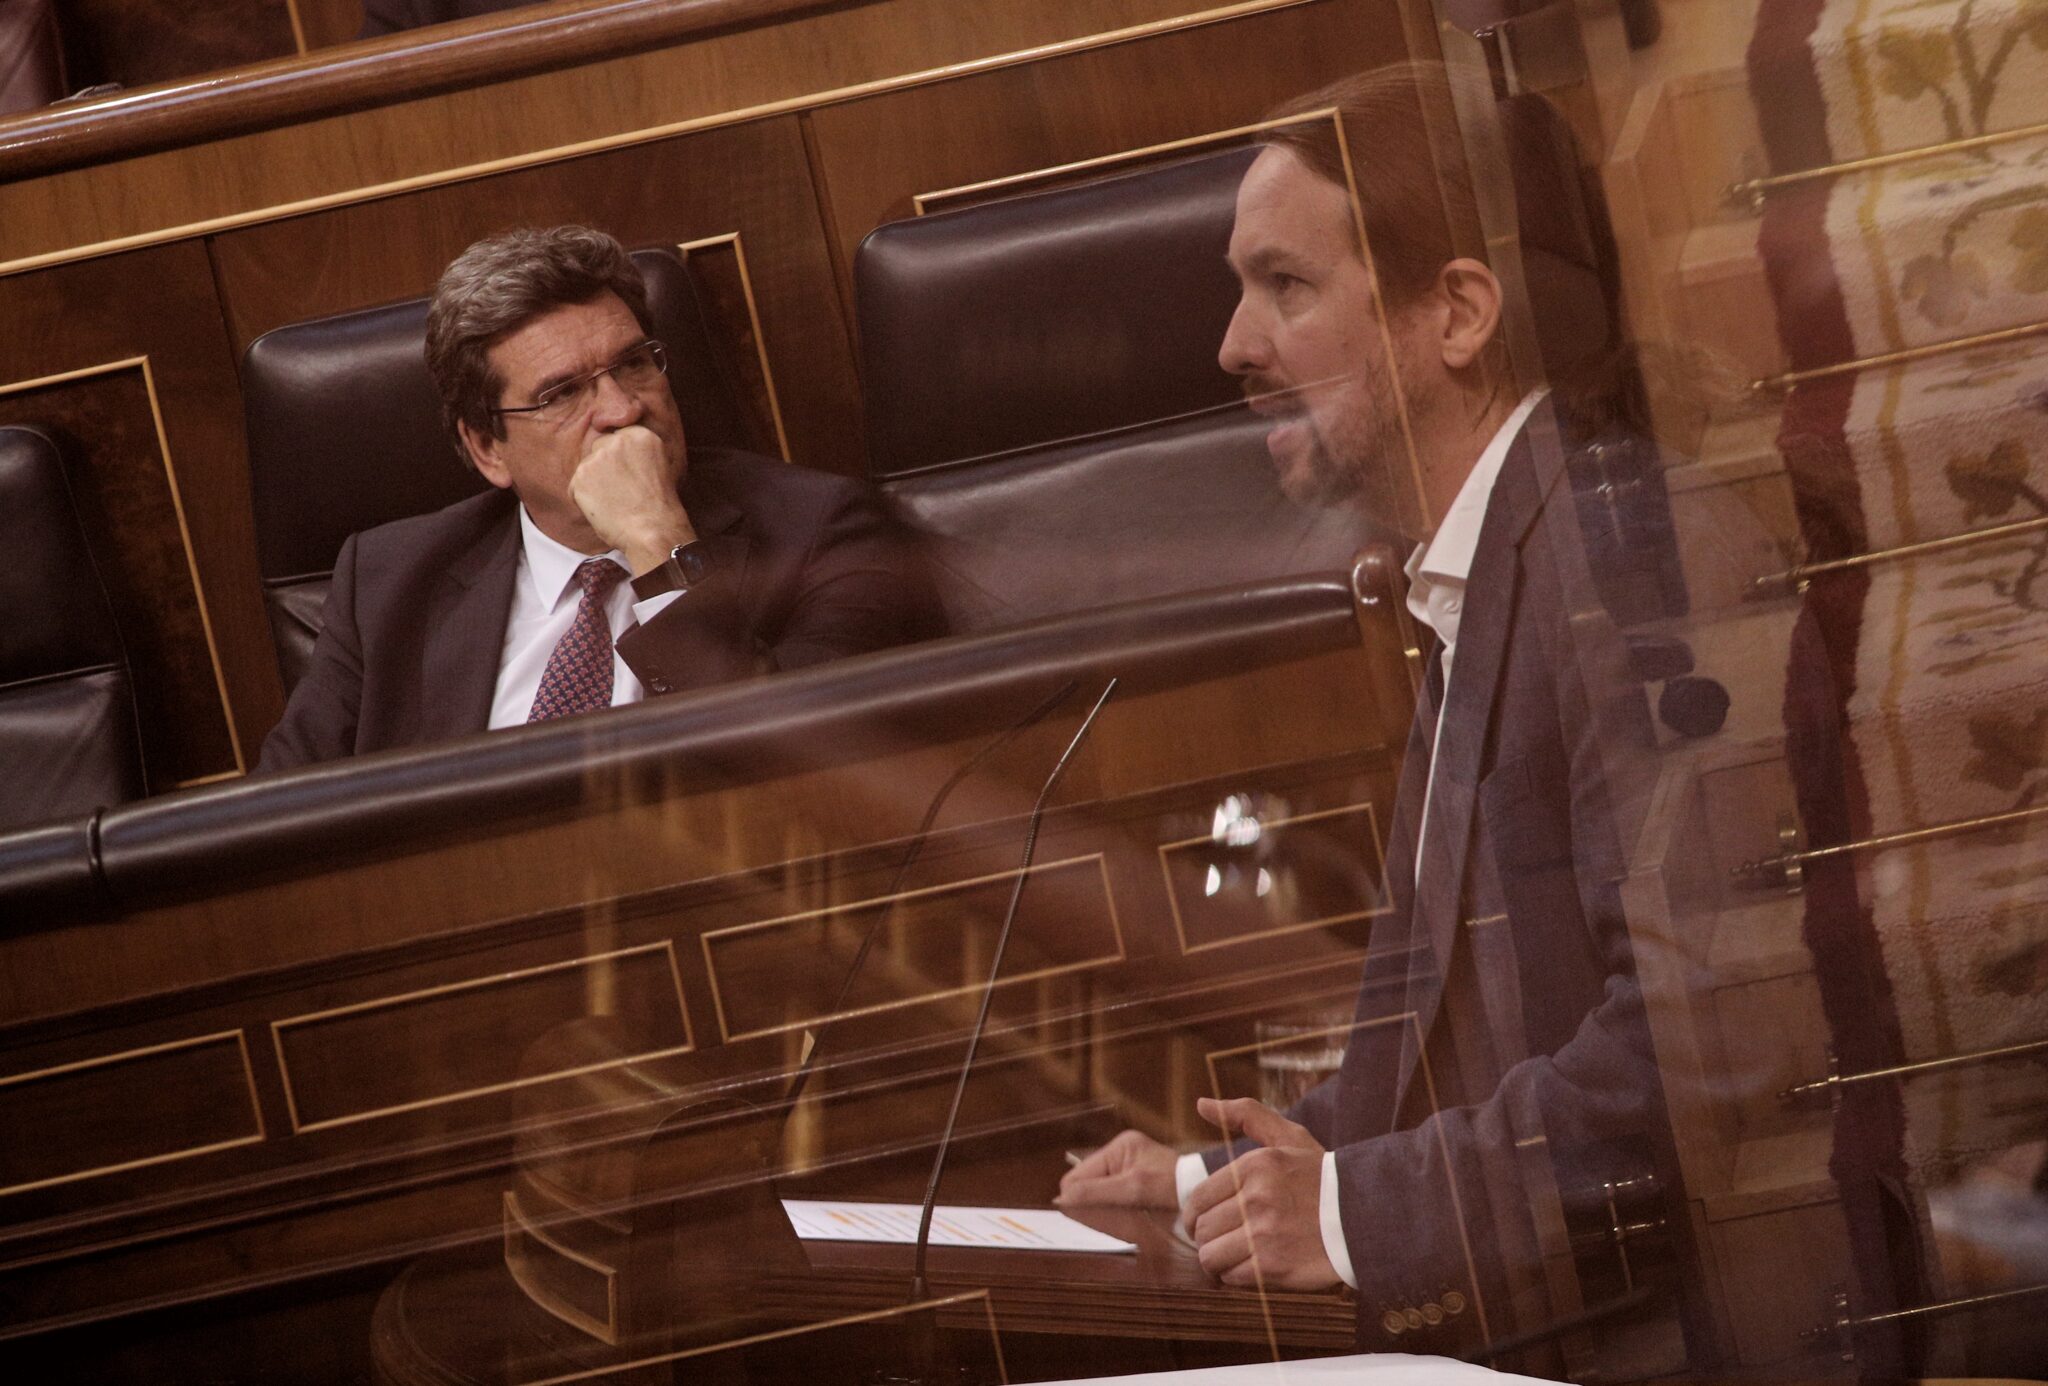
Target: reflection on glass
{"points": [[1616, 949]]}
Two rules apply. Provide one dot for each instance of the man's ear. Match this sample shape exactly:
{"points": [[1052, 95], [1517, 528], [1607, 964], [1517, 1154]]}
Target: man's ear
{"points": [[1471, 297], [483, 454]]}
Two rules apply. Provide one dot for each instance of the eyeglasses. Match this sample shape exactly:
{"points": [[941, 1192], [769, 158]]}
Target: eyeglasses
{"points": [[636, 368]]}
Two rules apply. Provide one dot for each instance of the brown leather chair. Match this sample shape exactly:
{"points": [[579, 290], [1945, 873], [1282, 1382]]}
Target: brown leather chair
{"points": [[345, 433], [31, 56], [68, 732], [1045, 405]]}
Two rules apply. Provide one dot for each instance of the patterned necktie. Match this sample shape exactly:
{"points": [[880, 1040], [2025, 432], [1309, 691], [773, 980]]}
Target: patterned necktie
{"points": [[579, 673]]}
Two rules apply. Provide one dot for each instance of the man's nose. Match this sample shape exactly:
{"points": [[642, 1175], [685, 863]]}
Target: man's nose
{"points": [[616, 406], [1244, 348]]}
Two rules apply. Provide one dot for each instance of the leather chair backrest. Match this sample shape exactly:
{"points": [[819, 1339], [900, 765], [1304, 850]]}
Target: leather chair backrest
{"points": [[1045, 406], [345, 433], [68, 733], [31, 56], [1048, 316]]}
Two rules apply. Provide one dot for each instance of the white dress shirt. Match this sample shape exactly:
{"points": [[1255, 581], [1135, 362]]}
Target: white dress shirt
{"points": [[544, 601], [1437, 573]]}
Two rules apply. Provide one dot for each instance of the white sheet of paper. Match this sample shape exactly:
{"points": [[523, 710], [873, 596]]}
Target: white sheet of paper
{"points": [[1011, 1229]]}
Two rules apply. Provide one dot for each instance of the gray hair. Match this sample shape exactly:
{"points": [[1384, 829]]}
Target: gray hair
{"points": [[498, 286]]}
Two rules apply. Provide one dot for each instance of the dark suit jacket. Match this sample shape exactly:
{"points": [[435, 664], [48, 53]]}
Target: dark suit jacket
{"points": [[806, 567], [1509, 960]]}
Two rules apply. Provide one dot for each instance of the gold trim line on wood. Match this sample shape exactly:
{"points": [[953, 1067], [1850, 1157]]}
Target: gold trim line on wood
{"points": [[1798, 577], [163, 448], [1753, 191], [278, 1027], [1772, 869], [1173, 896], [872, 1316], [920, 202], [126, 1055], [604, 144], [1834, 1081], [739, 253], [1777, 384], [298, 26], [728, 1036], [606, 1331]]}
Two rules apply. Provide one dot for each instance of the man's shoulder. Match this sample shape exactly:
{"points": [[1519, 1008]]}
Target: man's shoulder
{"points": [[741, 476], [436, 536], [780, 503]]}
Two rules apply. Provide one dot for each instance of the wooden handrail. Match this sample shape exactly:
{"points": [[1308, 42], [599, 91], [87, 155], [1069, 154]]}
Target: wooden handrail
{"points": [[357, 76]]}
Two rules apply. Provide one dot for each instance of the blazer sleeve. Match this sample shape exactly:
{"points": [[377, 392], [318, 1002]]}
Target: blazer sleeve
{"points": [[319, 721], [858, 586]]}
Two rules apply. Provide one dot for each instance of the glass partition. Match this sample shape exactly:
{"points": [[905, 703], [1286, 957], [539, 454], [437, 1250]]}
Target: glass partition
{"points": [[1420, 737]]}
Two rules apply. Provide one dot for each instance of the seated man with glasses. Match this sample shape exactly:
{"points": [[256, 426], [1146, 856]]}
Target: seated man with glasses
{"points": [[609, 563]]}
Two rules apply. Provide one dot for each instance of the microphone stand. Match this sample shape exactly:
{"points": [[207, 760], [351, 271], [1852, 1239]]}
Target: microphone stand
{"points": [[919, 1288], [812, 1047]]}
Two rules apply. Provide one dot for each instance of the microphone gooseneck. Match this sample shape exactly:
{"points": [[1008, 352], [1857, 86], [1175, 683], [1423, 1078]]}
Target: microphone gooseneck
{"points": [[813, 1047], [918, 1286]]}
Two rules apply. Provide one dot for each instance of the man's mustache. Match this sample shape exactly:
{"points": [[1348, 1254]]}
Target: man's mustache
{"points": [[1274, 393]]}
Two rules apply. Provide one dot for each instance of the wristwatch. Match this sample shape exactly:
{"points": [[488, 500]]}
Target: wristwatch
{"points": [[685, 567]]}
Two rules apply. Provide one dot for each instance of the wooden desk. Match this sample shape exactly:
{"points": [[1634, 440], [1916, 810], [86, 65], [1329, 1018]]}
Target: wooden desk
{"points": [[285, 1092]]}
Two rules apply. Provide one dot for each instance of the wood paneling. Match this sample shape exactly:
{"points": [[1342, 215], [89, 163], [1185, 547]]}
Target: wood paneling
{"points": [[157, 304], [623, 98], [798, 190], [879, 152], [139, 42], [748, 178], [326, 23], [122, 483], [724, 279]]}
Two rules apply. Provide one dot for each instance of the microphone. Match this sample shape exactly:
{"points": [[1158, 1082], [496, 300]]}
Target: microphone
{"points": [[808, 1062], [919, 1288]]}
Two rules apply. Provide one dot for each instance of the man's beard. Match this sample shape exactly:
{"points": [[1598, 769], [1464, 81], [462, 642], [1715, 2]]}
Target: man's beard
{"points": [[1356, 459]]}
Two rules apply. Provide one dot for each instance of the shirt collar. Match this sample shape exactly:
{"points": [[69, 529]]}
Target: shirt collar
{"points": [[551, 566], [1448, 553]]}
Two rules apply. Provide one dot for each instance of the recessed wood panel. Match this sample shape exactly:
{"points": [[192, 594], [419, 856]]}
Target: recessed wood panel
{"points": [[1250, 880], [750, 178], [107, 1113], [879, 152], [472, 1036], [783, 974], [156, 305]]}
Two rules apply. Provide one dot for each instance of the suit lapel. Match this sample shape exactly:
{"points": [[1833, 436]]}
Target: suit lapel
{"points": [[1532, 468], [468, 611]]}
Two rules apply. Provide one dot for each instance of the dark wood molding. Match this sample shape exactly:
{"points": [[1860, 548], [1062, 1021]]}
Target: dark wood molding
{"points": [[378, 72]]}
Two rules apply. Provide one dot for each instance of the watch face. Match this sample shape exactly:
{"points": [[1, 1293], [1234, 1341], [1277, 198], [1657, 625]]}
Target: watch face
{"points": [[692, 563]]}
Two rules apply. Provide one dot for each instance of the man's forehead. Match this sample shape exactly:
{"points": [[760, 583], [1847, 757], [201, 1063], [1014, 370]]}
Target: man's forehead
{"points": [[567, 339], [1284, 206]]}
